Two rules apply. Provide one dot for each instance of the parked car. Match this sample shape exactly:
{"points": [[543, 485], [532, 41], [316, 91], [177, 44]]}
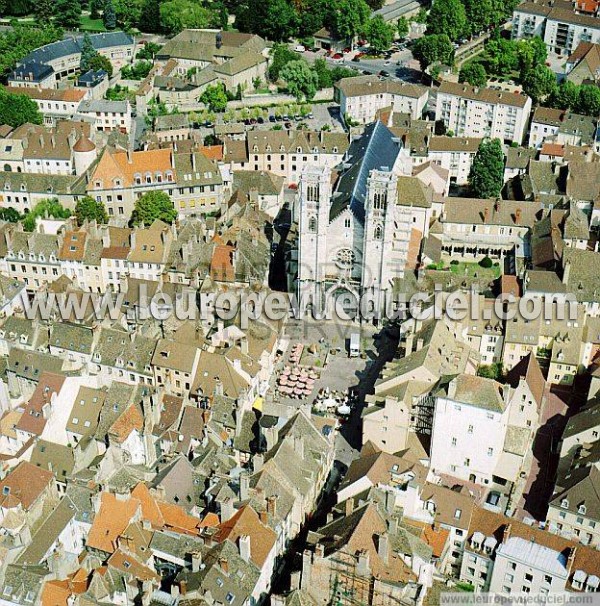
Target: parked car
{"points": [[260, 120], [347, 50], [384, 74], [272, 118], [299, 48], [388, 62], [337, 57]]}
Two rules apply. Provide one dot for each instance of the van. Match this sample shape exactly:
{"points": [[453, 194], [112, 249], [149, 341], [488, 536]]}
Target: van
{"points": [[354, 345]]}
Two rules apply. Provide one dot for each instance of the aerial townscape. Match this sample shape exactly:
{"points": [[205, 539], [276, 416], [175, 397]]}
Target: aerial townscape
{"points": [[235, 239]]}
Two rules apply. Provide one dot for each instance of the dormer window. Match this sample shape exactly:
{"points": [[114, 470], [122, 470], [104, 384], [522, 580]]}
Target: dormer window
{"points": [[582, 509], [169, 176], [255, 148], [148, 178], [23, 188], [137, 178], [298, 150], [118, 183], [98, 184], [268, 149], [564, 504], [335, 150]]}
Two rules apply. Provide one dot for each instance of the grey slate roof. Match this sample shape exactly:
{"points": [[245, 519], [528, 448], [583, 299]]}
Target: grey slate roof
{"points": [[71, 46], [375, 150]]}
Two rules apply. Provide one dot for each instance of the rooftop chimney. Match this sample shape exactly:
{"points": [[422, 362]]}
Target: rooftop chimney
{"points": [[506, 534], [244, 547], [196, 561], [272, 505], [383, 547], [518, 216]]}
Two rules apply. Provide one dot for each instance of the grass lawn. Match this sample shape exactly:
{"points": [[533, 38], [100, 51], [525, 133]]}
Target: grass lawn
{"points": [[470, 269], [91, 25]]}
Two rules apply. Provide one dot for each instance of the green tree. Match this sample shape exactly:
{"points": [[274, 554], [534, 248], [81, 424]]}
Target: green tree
{"points": [[8, 213], [109, 17], [531, 53], [379, 34], [566, 96], [99, 61], [311, 15], [95, 8], [486, 177], [474, 74], [280, 55], [301, 81], [88, 52], [47, 208], [479, 14], [272, 19], [539, 83], [325, 79], [403, 27], [17, 109], [447, 17], [348, 17], [88, 209], [150, 16], [21, 40], [588, 100], [177, 15], [500, 56], [429, 49], [215, 98], [44, 11], [151, 206], [138, 71], [491, 371], [128, 13], [148, 51], [67, 13]]}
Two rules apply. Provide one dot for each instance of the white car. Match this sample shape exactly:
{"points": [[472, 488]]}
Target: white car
{"points": [[299, 48]]}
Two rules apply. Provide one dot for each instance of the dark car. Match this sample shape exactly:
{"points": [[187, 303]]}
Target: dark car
{"points": [[272, 119], [260, 120], [384, 74]]}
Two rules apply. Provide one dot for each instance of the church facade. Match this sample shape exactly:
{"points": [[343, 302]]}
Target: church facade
{"points": [[361, 233]]}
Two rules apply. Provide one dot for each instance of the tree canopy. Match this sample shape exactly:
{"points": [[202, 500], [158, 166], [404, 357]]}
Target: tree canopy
{"points": [[215, 97], [429, 49], [16, 109], [348, 17], [67, 13], [379, 34], [273, 19], [474, 74], [47, 208], [301, 80], [88, 52], [89, 209], [21, 40], [153, 205], [109, 16], [280, 55], [403, 27], [486, 177], [539, 83], [447, 17], [177, 15]]}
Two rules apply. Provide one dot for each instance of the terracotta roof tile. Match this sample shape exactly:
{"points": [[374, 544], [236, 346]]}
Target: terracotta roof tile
{"points": [[24, 485], [113, 518]]}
